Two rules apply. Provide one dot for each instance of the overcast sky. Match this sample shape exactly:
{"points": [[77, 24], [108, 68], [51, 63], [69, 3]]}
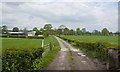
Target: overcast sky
{"points": [[90, 15]]}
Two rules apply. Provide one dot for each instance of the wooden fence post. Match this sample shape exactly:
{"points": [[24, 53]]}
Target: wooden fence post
{"points": [[42, 43], [50, 46], [55, 42], [112, 59]]}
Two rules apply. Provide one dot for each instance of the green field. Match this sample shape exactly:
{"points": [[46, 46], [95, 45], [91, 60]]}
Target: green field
{"points": [[109, 39], [20, 42]]}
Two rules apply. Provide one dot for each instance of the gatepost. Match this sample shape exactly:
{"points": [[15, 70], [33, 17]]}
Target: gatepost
{"points": [[50, 46], [112, 59]]}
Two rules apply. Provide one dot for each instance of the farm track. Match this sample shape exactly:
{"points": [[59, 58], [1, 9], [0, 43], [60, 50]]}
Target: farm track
{"points": [[62, 60]]}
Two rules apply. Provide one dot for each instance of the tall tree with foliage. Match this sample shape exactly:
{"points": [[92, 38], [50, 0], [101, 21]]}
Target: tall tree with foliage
{"points": [[62, 27], [37, 31], [105, 31], [48, 27], [66, 31], [4, 29], [72, 32], [83, 31], [96, 32], [15, 29], [59, 31], [25, 29], [41, 31], [78, 31]]}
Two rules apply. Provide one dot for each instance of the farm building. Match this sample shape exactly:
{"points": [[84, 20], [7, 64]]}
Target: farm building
{"points": [[16, 33], [23, 33], [31, 33]]}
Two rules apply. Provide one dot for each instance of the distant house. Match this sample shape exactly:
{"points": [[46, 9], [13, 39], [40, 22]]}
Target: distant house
{"points": [[40, 35], [16, 33], [31, 33]]}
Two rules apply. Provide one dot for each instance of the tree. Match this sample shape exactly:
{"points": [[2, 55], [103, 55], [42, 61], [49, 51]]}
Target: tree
{"points": [[88, 33], [37, 31], [59, 31], [83, 31], [48, 27], [72, 32], [4, 29], [62, 27], [110, 33], [15, 29], [105, 31], [96, 32], [25, 29], [78, 31], [45, 34], [66, 31], [41, 31]]}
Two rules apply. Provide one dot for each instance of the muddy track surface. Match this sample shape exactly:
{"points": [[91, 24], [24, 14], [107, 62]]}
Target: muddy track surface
{"points": [[63, 60]]}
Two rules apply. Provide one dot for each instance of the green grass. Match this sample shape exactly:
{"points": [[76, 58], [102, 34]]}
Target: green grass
{"points": [[109, 39], [48, 55], [20, 42]]}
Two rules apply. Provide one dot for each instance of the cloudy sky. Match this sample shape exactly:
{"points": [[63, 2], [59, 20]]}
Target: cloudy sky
{"points": [[90, 15]]}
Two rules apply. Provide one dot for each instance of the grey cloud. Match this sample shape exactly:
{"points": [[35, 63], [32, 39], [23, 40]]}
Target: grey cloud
{"points": [[59, 13]]}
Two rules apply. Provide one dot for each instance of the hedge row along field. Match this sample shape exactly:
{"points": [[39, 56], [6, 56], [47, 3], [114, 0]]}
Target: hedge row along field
{"points": [[20, 59], [22, 36], [97, 49]]}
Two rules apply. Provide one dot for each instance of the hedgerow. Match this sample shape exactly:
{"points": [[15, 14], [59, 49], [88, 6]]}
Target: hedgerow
{"points": [[100, 48], [19, 59]]}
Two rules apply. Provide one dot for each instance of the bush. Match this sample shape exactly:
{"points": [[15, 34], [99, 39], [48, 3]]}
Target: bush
{"points": [[21, 36], [13, 36], [18, 59], [4, 36], [35, 37]]}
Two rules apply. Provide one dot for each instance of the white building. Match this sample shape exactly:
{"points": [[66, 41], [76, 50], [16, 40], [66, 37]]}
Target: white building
{"points": [[16, 33], [31, 33]]}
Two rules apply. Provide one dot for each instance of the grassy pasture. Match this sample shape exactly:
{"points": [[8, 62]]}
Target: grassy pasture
{"points": [[20, 42], [109, 39]]}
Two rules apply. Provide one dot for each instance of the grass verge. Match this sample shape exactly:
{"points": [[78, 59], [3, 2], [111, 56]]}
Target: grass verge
{"points": [[48, 55]]}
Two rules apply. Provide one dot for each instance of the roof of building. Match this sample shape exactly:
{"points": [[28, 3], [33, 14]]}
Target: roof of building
{"points": [[16, 32]]}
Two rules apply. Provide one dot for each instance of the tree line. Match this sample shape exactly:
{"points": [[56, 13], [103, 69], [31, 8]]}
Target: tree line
{"points": [[62, 30]]}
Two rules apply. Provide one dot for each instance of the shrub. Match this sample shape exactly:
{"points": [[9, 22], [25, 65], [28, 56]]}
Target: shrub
{"points": [[17, 36], [4, 36], [13, 36], [21, 36], [18, 59]]}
